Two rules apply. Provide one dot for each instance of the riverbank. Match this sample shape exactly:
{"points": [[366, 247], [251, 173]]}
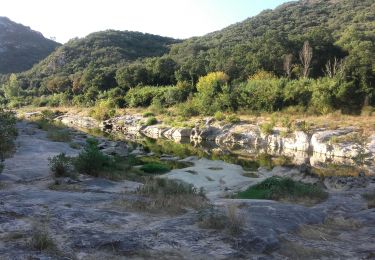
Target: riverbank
{"points": [[334, 139], [85, 220]]}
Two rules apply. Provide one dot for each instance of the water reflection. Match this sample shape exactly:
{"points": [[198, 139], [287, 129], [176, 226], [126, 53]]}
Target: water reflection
{"points": [[249, 157]]}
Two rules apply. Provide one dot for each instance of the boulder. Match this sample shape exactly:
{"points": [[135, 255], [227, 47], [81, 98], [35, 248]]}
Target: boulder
{"points": [[321, 142], [208, 133], [177, 133], [299, 141], [153, 131]]}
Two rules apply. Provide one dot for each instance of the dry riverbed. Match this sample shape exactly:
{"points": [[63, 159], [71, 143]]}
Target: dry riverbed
{"points": [[87, 220]]}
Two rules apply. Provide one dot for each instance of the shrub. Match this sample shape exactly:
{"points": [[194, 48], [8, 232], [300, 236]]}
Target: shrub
{"points": [[219, 116], [232, 119], [260, 95], [155, 168], [178, 94], [214, 93], [278, 188], [148, 114], [59, 135], [298, 92], [212, 83], [61, 165], [286, 122], [143, 96], [41, 239], [188, 109], [267, 128], [212, 218], [103, 110], [302, 126], [151, 121], [262, 75], [169, 196], [235, 220], [91, 160], [8, 132], [323, 99], [229, 219]]}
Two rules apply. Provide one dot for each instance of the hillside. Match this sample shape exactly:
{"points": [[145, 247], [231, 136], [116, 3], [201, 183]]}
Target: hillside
{"points": [[261, 42], [340, 35], [103, 49], [21, 47]]}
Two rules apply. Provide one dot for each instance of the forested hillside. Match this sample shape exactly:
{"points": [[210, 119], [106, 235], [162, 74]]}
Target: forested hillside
{"points": [[312, 54], [21, 47]]}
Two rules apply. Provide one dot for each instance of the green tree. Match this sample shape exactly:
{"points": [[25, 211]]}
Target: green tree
{"points": [[12, 88]]}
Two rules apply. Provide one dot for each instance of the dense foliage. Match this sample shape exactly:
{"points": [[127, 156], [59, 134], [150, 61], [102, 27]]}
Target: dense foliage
{"points": [[313, 54], [8, 133], [21, 47]]}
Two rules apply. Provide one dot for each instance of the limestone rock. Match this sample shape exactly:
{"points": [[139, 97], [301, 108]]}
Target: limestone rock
{"points": [[79, 121]]}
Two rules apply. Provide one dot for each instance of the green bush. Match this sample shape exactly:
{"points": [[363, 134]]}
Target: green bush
{"points": [[298, 92], [178, 94], [267, 128], [151, 121], [148, 114], [8, 132], [260, 95], [188, 109], [155, 167], [323, 99], [91, 160], [278, 188], [62, 166], [103, 110], [219, 116], [143, 96], [232, 119]]}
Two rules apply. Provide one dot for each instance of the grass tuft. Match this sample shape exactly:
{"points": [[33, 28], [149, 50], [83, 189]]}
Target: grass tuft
{"points": [[370, 197], [168, 196]]}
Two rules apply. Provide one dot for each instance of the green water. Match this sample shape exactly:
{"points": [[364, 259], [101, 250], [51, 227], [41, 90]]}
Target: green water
{"points": [[250, 161]]}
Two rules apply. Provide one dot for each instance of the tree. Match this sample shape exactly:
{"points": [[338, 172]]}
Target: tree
{"points": [[12, 89], [58, 84], [132, 76], [212, 83], [164, 70], [305, 57], [288, 59], [332, 67]]}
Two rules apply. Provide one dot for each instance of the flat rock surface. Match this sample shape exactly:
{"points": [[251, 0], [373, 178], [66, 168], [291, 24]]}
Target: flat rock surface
{"points": [[88, 221]]}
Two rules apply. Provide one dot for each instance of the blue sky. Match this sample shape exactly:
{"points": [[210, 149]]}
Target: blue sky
{"points": [[65, 19]]}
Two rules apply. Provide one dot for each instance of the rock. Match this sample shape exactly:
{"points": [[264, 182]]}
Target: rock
{"points": [[137, 152], [154, 131], [206, 133], [320, 143], [299, 141], [177, 133], [215, 177], [79, 121], [345, 183], [209, 120], [120, 149], [29, 115]]}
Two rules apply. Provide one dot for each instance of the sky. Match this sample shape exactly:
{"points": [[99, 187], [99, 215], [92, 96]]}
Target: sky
{"points": [[66, 19]]}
